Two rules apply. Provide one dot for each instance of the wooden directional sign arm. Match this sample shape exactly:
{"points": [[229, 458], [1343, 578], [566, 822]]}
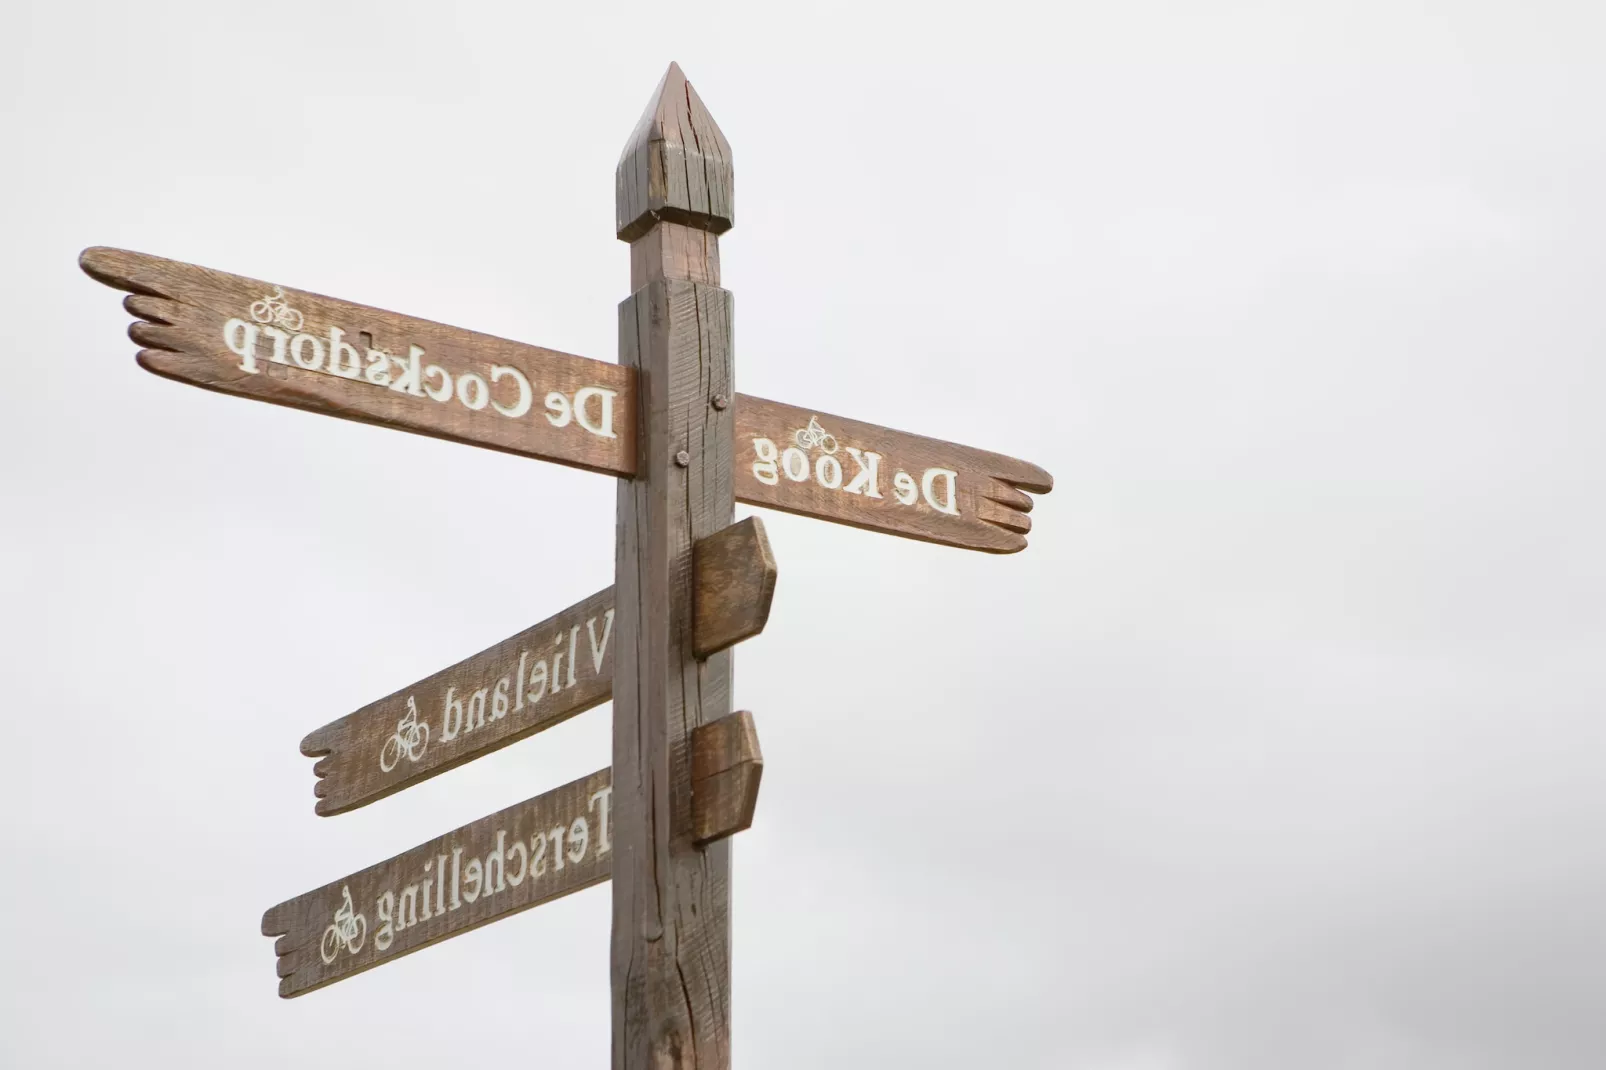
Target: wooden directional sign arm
{"points": [[527, 683], [815, 464], [304, 350]]}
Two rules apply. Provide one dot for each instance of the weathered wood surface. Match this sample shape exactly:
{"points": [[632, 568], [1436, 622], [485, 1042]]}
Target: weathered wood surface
{"points": [[733, 585], [671, 897], [532, 853], [527, 683], [849, 472], [259, 340], [423, 377], [726, 766], [675, 168]]}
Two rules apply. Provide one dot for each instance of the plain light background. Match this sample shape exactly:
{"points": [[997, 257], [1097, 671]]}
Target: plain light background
{"points": [[1280, 747]]}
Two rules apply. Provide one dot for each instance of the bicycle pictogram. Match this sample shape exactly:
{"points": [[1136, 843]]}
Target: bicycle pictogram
{"points": [[349, 929], [411, 738], [815, 435], [275, 309]]}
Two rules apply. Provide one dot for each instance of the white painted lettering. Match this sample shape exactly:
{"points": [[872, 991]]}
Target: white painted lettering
{"points": [[472, 391], [451, 716], [241, 338], [411, 379], [574, 637], [518, 686], [600, 802], [522, 405], [537, 681], [598, 649], [445, 391], [281, 344], [904, 489], [558, 411], [927, 482], [603, 427], [473, 874], [828, 471], [475, 718], [407, 908], [304, 341], [499, 700], [339, 351], [555, 835], [799, 471], [538, 853], [385, 935], [498, 860], [378, 370], [522, 853], [764, 469], [579, 839], [864, 481]]}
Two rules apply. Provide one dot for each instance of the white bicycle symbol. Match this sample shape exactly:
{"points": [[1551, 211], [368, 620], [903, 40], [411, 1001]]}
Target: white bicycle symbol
{"points": [[274, 309], [815, 435], [411, 738], [349, 928]]}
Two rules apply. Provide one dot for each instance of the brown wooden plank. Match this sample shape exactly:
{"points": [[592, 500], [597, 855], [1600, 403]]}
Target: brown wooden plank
{"points": [[532, 853], [671, 908], [290, 347], [195, 323], [733, 583], [833, 468], [726, 766], [527, 683]]}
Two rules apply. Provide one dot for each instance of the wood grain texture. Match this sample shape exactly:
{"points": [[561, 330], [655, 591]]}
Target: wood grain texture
{"points": [[527, 683], [532, 853], [726, 766], [733, 584], [797, 460], [832, 468], [256, 339], [671, 908], [676, 167]]}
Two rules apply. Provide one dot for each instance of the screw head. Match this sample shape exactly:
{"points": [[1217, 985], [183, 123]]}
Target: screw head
{"points": [[683, 458], [721, 402]]}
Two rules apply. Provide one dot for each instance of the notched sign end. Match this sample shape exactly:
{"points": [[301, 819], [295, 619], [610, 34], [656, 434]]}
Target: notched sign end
{"points": [[726, 766], [276, 922], [733, 579]]}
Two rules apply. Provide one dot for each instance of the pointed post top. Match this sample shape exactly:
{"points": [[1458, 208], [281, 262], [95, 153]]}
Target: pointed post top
{"points": [[676, 167]]}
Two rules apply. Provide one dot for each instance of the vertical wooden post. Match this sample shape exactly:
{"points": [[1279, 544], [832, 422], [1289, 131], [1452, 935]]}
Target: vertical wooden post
{"points": [[671, 912]]}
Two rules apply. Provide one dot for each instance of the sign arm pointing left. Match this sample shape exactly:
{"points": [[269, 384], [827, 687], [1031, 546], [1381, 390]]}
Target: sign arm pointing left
{"points": [[306, 351]]}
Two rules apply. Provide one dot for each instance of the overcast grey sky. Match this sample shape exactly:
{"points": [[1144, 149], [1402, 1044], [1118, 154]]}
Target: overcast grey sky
{"points": [[1280, 747]]}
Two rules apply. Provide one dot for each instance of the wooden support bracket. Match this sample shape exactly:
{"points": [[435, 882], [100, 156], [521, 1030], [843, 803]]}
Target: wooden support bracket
{"points": [[726, 765], [733, 584]]}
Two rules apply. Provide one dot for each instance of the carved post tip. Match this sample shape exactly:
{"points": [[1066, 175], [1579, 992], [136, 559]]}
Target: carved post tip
{"points": [[676, 166]]}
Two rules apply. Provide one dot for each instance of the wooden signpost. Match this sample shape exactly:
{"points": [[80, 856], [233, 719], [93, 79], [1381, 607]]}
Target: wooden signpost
{"points": [[688, 584]]}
